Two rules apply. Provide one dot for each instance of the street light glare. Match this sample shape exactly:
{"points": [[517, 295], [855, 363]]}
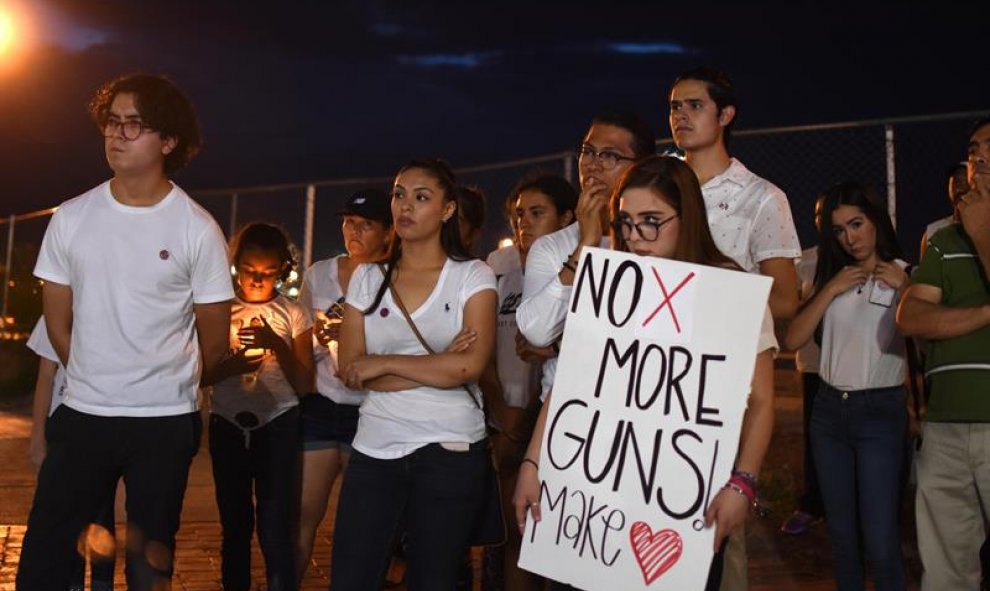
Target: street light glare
{"points": [[6, 31]]}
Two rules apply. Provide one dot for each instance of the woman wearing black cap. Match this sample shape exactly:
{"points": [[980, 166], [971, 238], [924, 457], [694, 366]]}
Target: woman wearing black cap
{"points": [[330, 415]]}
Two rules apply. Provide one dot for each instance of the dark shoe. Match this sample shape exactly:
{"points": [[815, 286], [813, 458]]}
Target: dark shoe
{"points": [[799, 522]]}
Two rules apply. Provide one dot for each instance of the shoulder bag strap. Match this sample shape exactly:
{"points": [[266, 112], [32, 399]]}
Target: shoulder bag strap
{"points": [[419, 335]]}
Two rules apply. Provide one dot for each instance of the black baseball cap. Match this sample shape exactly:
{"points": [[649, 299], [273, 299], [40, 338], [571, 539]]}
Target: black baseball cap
{"points": [[373, 204]]}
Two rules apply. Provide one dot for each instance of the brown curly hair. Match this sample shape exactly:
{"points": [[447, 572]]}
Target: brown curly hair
{"points": [[163, 107]]}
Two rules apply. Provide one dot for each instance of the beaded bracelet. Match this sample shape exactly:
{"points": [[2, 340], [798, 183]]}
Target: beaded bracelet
{"points": [[740, 491], [569, 265], [747, 476]]}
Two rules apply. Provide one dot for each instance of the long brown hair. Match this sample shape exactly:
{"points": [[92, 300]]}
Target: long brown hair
{"points": [[673, 181]]}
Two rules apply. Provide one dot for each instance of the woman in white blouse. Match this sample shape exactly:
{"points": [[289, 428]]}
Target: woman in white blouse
{"points": [[420, 452], [859, 418]]}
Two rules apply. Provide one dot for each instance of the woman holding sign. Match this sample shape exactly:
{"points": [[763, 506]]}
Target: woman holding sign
{"points": [[420, 455], [657, 210], [859, 418]]}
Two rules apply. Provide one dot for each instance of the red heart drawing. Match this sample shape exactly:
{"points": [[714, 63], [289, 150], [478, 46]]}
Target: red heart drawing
{"points": [[655, 552]]}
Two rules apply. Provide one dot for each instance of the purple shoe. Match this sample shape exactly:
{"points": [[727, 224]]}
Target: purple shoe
{"points": [[799, 522]]}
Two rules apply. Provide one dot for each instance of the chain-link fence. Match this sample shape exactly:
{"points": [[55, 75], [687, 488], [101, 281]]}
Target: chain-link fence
{"points": [[904, 159]]}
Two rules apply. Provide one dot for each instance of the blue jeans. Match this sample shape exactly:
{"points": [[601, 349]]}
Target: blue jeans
{"points": [[257, 478], [433, 494], [858, 439]]}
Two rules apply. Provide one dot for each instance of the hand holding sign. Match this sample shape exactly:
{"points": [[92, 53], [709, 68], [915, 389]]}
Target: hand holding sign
{"points": [[643, 425]]}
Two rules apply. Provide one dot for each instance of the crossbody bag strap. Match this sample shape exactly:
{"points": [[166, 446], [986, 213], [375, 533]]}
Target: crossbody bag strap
{"points": [[412, 325]]}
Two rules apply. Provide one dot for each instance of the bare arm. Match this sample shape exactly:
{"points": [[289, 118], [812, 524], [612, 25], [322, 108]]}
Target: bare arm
{"points": [[729, 509], [757, 427], [39, 410], [212, 330], [922, 315], [527, 493], [784, 293], [448, 369], [57, 306], [297, 362], [803, 326]]}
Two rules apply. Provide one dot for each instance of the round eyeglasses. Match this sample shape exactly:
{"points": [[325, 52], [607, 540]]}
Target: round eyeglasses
{"points": [[131, 129], [647, 230]]}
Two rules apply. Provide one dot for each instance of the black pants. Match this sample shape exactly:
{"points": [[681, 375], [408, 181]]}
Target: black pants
{"points": [[811, 498], [433, 493], [262, 467], [87, 455]]}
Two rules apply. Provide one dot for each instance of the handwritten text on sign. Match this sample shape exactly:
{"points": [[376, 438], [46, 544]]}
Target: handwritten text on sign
{"points": [[644, 421]]}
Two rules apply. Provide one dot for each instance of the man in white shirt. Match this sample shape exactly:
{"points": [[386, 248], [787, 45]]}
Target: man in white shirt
{"points": [[750, 218], [137, 297], [614, 141]]}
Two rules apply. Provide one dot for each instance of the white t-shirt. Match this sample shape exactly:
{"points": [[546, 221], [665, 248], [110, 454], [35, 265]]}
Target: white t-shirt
{"points": [[504, 260], [39, 343], [861, 347], [542, 313], [135, 274], [395, 424], [806, 358], [749, 217], [266, 392], [520, 380], [320, 290], [938, 225]]}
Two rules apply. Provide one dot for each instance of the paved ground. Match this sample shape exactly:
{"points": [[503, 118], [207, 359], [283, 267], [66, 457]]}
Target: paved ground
{"points": [[777, 561]]}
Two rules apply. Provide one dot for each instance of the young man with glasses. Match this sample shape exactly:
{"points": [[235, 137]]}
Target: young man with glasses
{"points": [[614, 141], [750, 218], [136, 296]]}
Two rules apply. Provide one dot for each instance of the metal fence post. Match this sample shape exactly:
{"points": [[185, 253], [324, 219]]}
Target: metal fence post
{"points": [[888, 133], [233, 214], [569, 168], [6, 269], [308, 228]]}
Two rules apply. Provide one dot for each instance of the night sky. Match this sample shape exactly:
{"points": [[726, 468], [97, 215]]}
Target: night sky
{"points": [[290, 91]]}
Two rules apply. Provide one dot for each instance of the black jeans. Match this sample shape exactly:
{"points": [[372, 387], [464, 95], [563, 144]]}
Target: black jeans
{"points": [[87, 455], [262, 468], [433, 493], [811, 498]]}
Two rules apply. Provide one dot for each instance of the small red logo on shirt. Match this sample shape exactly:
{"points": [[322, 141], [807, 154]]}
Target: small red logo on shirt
{"points": [[163, 255]]}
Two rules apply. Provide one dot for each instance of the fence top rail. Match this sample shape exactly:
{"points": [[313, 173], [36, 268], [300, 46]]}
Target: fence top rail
{"points": [[550, 157], [27, 216]]}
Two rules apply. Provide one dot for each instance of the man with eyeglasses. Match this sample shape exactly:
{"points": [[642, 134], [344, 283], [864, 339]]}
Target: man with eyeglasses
{"points": [[948, 305], [750, 218], [137, 295], [614, 141]]}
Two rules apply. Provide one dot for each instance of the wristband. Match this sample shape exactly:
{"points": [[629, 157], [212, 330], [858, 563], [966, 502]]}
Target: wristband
{"points": [[529, 461], [569, 265]]}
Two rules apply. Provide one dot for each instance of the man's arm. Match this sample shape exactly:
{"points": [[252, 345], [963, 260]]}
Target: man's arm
{"points": [[56, 302], [213, 331], [921, 315], [784, 293]]}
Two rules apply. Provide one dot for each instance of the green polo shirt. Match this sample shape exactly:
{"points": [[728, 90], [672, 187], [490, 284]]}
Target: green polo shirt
{"points": [[958, 369]]}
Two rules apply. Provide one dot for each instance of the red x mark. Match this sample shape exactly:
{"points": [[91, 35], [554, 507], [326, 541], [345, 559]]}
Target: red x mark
{"points": [[666, 299]]}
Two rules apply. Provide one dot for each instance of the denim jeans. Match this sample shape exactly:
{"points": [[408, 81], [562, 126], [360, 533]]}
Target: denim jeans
{"points": [[257, 477], [858, 438], [433, 494]]}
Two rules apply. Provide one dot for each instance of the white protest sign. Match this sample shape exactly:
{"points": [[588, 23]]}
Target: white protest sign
{"points": [[643, 426]]}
